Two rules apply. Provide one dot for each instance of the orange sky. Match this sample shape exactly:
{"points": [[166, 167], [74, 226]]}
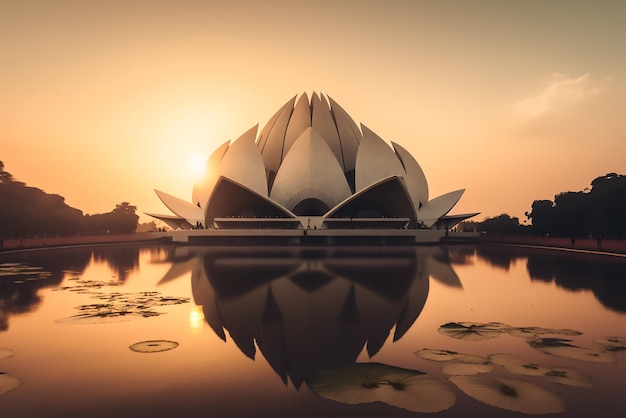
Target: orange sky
{"points": [[103, 101]]}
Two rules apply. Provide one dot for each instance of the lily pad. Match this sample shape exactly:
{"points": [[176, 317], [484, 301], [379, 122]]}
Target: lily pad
{"points": [[563, 348], [469, 331], [465, 365], [570, 377], [375, 382], [119, 307], [434, 354], [153, 346], [613, 344], [532, 332], [516, 365], [510, 394]]}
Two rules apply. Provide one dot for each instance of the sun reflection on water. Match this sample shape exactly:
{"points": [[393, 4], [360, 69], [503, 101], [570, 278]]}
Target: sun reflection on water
{"points": [[196, 318]]}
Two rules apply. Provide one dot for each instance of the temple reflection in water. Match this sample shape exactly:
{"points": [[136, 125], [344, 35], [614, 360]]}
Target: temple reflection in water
{"points": [[310, 308]]}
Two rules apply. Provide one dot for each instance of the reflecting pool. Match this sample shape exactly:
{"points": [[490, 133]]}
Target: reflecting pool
{"points": [[449, 331]]}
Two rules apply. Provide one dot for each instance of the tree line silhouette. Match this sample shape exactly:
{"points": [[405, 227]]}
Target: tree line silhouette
{"points": [[596, 212], [29, 212]]}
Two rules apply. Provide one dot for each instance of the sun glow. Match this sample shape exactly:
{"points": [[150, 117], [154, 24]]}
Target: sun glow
{"points": [[197, 165], [196, 317]]}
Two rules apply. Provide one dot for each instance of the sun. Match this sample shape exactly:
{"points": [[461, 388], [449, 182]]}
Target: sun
{"points": [[196, 163]]}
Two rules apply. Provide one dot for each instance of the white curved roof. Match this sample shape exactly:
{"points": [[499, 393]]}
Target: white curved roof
{"points": [[299, 122], [349, 134], [173, 221], [415, 179], [322, 121], [181, 207], [375, 160], [438, 207], [273, 137], [243, 164], [310, 170], [270, 124], [203, 188]]}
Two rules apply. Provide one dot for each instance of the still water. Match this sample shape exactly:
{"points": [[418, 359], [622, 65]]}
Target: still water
{"points": [[159, 331]]}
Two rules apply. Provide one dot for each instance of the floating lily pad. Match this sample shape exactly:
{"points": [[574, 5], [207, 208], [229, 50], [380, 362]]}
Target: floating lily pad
{"points": [[563, 348], [105, 317], [613, 344], [456, 363], [516, 365], [83, 286], [510, 394], [436, 354], [531, 332], [569, 377], [526, 332], [469, 331], [8, 382], [465, 365], [374, 382], [119, 307], [153, 346]]}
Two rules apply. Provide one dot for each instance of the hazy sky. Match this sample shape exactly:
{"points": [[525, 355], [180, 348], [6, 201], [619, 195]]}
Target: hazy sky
{"points": [[103, 101]]}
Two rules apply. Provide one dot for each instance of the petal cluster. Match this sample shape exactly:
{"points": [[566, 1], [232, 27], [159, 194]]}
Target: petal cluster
{"points": [[311, 161]]}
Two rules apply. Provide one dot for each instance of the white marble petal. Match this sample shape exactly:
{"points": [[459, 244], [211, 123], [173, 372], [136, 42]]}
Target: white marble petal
{"points": [[243, 163], [349, 134], [299, 122], [272, 150], [173, 221], [270, 124], [438, 207], [310, 170], [415, 178], [322, 121], [375, 160], [182, 208]]}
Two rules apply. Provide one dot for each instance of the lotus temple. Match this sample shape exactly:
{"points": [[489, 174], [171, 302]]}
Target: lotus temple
{"points": [[311, 175]]}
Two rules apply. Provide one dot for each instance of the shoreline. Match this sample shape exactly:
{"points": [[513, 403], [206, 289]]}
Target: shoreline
{"points": [[606, 246], [14, 244], [576, 244]]}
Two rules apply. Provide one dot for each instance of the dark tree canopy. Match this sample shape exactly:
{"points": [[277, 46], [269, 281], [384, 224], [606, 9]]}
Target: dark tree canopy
{"points": [[499, 225], [599, 211], [502, 224], [28, 211]]}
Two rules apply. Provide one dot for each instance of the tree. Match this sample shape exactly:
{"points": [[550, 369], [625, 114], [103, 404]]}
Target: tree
{"points": [[501, 224], [5, 177], [541, 216], [124, 218], [29, 211], [599, 211]]}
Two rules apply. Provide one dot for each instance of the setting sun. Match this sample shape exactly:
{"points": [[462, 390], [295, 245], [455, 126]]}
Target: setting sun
{"points": [[196, 165]]}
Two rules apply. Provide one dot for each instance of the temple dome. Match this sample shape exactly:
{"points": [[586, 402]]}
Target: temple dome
{"points": [[311, 160]]}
